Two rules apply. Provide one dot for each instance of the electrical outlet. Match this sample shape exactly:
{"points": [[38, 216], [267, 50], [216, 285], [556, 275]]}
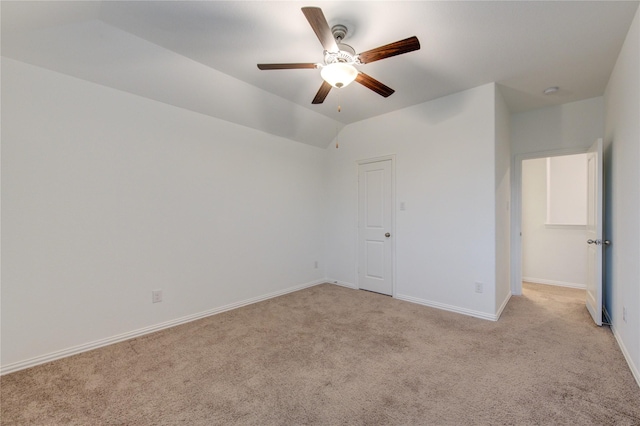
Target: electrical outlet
{"points": [[156, 296], [479, 288], [624, 313]]}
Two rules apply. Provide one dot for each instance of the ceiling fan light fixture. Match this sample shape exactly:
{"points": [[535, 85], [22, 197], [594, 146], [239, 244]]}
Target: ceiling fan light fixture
{"points": [[339, 74]]}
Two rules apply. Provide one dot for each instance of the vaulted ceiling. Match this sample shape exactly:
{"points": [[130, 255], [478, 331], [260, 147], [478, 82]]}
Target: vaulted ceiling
{"points": [[202, 55]]}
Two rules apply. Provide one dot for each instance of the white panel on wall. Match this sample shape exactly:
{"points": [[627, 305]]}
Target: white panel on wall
{"points": [[567, 190]]}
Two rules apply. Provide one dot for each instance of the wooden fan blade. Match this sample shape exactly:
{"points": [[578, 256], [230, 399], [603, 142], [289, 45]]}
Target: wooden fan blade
{"points": [[320, 26], [375, 85], [398, 48], [286, 66], [322, 93]]}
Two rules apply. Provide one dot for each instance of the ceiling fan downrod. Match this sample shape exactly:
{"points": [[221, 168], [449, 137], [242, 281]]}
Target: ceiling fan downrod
{"points": [[339, 32]]}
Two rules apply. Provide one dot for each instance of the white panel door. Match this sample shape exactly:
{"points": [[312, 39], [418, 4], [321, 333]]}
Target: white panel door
{"points": [[375, 199], [594, 231]]}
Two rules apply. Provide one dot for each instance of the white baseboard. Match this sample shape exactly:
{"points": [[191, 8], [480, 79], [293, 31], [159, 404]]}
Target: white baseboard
{"points": [[635, 370], [504, 305], [607, 318], [32, 362], [431, 304], [342, 283], [450, 308], [553, 282]]}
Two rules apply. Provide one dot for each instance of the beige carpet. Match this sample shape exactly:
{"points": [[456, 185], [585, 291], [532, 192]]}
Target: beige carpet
{"points": [[329, 355]]}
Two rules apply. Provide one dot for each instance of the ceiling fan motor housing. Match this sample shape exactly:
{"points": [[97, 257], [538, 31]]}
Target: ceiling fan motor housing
{"points": [[346, 54], [342, 56]]}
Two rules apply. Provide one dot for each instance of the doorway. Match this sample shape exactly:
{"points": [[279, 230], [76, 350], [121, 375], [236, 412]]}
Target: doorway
{"points": [[593, 225], [517, 274], [554, 219]]}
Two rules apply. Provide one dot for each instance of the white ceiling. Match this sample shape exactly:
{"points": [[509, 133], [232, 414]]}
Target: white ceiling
{"points": [[202, 55]]}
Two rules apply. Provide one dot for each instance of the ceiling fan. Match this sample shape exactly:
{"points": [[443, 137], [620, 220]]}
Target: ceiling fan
{"points": [[338, 68]]}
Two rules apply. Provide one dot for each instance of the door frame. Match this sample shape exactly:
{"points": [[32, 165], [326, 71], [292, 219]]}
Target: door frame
{"points": [[391, 157], [516, 209]]}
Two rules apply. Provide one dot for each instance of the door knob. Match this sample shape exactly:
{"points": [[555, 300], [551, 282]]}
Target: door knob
{"points": [[387, 235], [596, 242]]}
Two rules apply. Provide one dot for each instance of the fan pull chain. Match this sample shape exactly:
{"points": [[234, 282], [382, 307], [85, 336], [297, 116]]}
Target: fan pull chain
{"points": [[339, 110]]}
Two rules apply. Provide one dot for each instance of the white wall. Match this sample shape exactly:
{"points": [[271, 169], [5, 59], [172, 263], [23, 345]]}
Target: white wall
{"points": [[562, 127], [554, 254], [445, 174], [622, 197], [107, 195], [503, 202]]}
